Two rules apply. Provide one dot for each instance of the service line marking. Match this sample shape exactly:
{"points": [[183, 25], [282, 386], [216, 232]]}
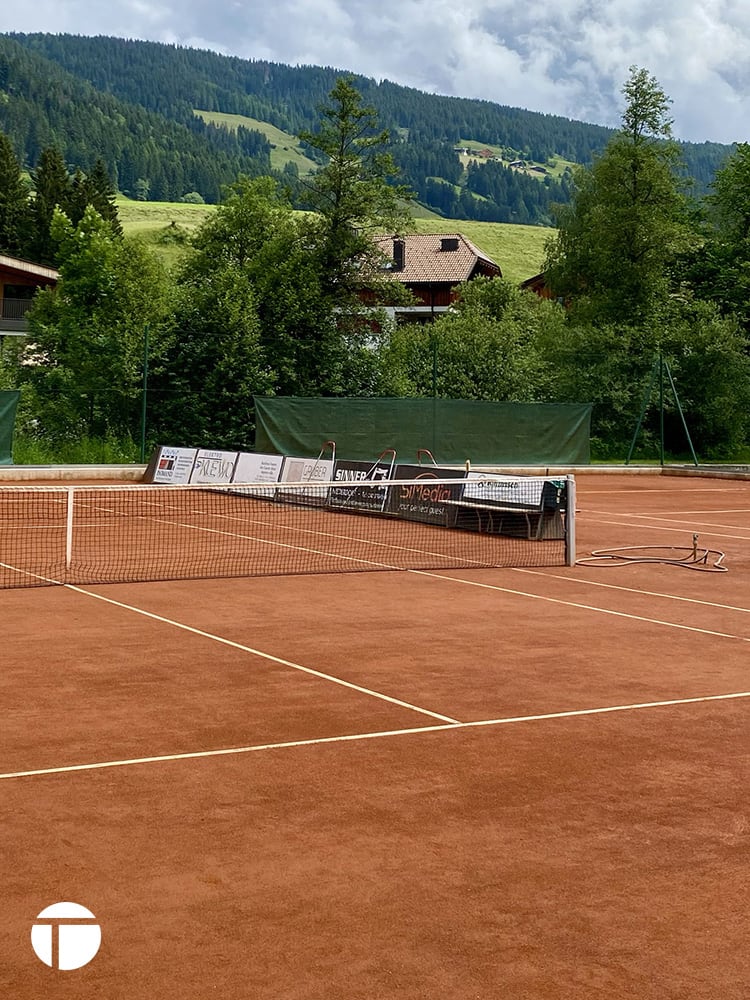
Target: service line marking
{"points": [[660, 527], [671, 520], [691, 489], [631, 590], [583, 607], [266, 656], [359, 737], [245, 649]]}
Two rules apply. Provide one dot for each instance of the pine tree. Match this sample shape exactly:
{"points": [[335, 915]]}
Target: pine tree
{"points": [[52, 188], [14, 202], [102, 195], [614, 253], [351, 193]]}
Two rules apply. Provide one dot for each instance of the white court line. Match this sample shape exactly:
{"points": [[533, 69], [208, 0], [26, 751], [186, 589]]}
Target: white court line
{"points": [[358, 737], [693, 489], [630, 590], [582, 607], [277, 526], [282, 526], [727, 510], [265, 656], [660, 527], [245, 649], [673, 520]]}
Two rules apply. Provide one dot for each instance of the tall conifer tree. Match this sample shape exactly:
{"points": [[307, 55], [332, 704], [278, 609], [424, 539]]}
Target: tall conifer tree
{"points": [[52, 188], [614, 253], [14, 202]]}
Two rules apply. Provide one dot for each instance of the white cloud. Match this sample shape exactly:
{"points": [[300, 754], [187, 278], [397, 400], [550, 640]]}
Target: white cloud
{"points": [[568, 58]]}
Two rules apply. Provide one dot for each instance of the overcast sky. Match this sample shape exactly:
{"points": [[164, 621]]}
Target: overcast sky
{"points": [[567, 57]]}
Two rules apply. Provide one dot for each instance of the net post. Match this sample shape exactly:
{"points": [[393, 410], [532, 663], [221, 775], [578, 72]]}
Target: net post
{"points": [[69, 528], [570, 521]]}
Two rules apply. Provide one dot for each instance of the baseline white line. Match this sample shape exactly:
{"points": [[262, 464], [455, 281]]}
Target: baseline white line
{"points": [[358, 737], [266, 656], [574, 604], [631, 590]]}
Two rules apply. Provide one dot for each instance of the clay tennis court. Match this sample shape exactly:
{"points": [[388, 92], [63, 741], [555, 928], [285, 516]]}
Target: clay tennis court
{"points": [[474, 783]]}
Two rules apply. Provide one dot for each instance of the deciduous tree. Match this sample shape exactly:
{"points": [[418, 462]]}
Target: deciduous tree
{"points": [[489, 347], [84, 360], [721, 266]]}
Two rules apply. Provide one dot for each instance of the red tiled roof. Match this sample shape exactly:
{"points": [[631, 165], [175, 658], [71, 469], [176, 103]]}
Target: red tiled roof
{"points": [[427, 260]]}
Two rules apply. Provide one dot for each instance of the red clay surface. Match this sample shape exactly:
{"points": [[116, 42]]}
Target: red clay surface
{"points": [[488, 855]]}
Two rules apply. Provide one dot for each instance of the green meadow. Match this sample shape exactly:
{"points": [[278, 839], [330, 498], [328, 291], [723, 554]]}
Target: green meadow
{"points": [[285, 148], [166, 226]]}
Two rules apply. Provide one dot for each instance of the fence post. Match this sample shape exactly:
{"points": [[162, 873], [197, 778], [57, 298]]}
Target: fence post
{"points": [[69, 529], [144, 394]]}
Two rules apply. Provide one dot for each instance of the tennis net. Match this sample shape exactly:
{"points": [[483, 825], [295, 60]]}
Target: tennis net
{"points": [[136, 533]]}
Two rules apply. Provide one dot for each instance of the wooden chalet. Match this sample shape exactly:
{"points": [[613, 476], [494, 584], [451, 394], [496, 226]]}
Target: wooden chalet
{"points": [[433, 267], [19, 282], [538, 285]]}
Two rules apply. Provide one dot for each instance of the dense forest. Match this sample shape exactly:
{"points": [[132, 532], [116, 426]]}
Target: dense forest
{"points": [[132, 105]]}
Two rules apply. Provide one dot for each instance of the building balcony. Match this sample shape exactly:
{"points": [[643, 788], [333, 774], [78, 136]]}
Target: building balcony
{"points": [[13, 321]]}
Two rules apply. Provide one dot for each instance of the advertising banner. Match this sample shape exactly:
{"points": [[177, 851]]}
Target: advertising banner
{"points": [[423, 500], [252, 468], [214, 467], [171, 466], [350, 495]]}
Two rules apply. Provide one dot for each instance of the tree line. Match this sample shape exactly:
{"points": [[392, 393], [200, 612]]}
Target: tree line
{"points": [[133, 104], [267, 300]]}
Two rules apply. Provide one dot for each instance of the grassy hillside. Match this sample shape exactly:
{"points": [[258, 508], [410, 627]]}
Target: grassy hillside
{"points": [[163, 225], [285, 148], [554, 167], [519, 250]]}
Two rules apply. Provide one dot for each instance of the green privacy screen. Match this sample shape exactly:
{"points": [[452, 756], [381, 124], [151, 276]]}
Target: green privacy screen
{"points": [[452, 429], [8, 404]]}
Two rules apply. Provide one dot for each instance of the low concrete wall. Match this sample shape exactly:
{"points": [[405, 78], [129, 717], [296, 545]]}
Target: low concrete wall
{"points": [[568, 470], [70, 473]]}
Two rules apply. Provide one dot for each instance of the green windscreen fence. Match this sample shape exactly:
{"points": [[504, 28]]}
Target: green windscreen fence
{"points": [[8, 404], [454, 430]]}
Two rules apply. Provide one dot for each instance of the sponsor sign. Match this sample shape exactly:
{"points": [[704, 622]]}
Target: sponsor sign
{"points": [[214, 467], [505, 491], [424, 499], [252, 468], [524, 492], [305, 470], [172, 465], [357, 497]]}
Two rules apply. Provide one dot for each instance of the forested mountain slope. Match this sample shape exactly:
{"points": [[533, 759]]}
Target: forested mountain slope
{"points": [[136, 102]]}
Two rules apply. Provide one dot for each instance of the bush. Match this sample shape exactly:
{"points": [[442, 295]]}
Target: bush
{"points": [[110, 450]]}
